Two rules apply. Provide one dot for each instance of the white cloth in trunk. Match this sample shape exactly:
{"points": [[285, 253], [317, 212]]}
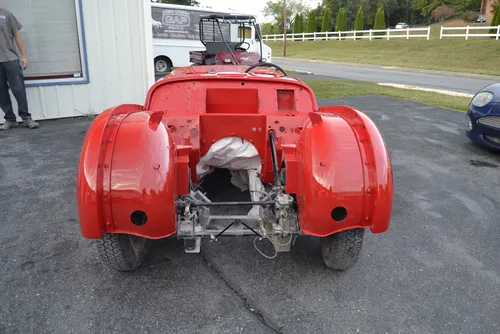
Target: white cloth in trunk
{"points": [[242, 159]]}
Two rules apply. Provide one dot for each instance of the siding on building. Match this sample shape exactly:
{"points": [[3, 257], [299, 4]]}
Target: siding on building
{"points": [[119, 55], [486, 9]]}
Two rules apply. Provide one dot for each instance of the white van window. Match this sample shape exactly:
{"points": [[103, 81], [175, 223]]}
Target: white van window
{"points": [[246, 31]]}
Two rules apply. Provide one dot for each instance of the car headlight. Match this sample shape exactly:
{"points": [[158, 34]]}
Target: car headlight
{"points": [[482, 99]]}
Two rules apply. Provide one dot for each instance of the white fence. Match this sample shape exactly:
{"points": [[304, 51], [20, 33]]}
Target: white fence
{"points": [[469, 32], [354, 34]]}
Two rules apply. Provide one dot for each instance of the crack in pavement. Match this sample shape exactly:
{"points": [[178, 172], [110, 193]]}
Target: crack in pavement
{"points": [[252, 309]]}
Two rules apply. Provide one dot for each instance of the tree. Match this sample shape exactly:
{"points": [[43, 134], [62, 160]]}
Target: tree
{"points": [[268, 28], [379, 21], [442, 13], [311, 22], [320, 12], [179, 2], [326, 23], [300, 24], [274, 9], [341, 20], [494, 6], [359, 24], [296, 22]]}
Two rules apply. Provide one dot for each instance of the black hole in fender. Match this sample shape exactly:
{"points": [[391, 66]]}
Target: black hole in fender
{"points": [[339, 213], [139, 218]]}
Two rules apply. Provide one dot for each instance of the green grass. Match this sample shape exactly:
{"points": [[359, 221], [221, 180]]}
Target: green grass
{"points": [[288, 71], [477, 55], [337, 89]]}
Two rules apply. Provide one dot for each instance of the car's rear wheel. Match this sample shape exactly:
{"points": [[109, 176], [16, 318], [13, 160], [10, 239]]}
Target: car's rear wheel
{"points": [[340, 251], [162, 65], [123, 252]]}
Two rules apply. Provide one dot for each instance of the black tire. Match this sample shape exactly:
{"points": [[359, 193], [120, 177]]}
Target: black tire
{"points": [[340, 251], [163, 65], [122, 252]]}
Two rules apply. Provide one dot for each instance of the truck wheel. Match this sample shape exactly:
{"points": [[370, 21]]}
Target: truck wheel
{"points": [[340, 251], [162, 65], [122, 252]]}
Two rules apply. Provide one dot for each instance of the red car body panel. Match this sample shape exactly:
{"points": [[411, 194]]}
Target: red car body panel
{"points": [[140, 157]]}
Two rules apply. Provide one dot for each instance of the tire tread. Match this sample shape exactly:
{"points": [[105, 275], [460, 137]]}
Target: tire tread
{"points": [[345, 248], [112, 250]]}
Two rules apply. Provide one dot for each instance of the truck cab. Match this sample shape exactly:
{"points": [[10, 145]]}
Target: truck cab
{"points": [[175, 31], [229, 40]]}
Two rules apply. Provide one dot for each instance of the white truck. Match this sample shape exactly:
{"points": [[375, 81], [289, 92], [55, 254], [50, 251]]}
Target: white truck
{"points": [[176, 33]]}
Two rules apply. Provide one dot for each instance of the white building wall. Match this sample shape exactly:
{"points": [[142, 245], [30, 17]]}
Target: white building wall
{"points": [[119, 53]]}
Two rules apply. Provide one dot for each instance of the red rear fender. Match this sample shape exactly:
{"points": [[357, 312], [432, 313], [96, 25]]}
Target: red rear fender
{"points": [[127, 168], [344, 173]]}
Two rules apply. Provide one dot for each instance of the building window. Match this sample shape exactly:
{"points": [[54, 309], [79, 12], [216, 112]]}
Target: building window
{"points": [[53, 36]]}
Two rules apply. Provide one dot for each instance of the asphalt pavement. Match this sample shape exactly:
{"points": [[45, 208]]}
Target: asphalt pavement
{"points": [[437, 269], [380, 74]]}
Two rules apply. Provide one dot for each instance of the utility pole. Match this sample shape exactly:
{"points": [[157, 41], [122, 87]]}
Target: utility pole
{"points": [[284, 28]]}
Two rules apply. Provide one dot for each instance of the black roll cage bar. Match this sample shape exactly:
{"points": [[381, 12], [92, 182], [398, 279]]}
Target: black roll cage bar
{"points": [[241, 20]]}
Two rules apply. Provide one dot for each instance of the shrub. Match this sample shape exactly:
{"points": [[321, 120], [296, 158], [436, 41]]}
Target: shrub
{"points": [[469, 16], [495, 21], [442, 13]]}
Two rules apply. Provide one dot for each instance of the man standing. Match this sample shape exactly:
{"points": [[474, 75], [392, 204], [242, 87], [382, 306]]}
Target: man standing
{"points": [[11, 72]]}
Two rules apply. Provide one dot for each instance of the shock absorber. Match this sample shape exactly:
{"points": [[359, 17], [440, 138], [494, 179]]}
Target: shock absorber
{"points": [[272, 137]]}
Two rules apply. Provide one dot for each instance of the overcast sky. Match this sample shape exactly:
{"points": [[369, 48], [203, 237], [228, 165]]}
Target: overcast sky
{"points": [[254, 7]]}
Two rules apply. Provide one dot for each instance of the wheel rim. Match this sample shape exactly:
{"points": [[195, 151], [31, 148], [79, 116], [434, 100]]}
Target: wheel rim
{"points": [[161, 66], [327, 248], [137, 244]]}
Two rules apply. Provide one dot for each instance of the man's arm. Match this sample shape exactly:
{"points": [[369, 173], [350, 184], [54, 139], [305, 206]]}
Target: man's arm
{"points": [[20, 45], [15, 27]]}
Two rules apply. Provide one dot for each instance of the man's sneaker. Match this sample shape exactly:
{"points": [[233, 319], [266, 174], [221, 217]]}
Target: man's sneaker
{"points": [[8, 125], [30, 123]]}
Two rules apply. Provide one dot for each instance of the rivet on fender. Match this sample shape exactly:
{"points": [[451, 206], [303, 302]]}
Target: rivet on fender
{"points": [[316, 118], [108, 223], [368, 190], [367, 219], [367, 162]]}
